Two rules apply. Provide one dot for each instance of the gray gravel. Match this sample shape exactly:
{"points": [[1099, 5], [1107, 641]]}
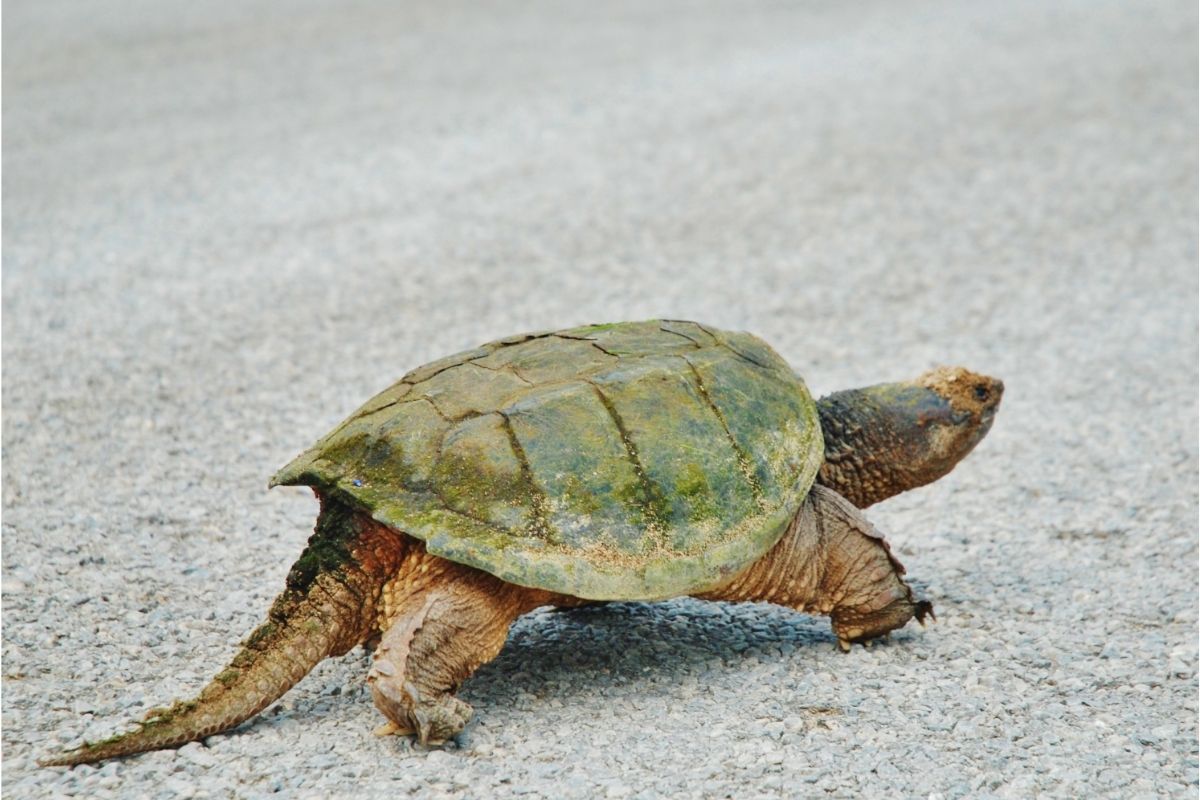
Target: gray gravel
{"points": [[227, 224]]}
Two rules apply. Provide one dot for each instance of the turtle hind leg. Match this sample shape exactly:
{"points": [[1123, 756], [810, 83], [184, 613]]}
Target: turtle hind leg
{"points": [[444, 621], [832, 561]]}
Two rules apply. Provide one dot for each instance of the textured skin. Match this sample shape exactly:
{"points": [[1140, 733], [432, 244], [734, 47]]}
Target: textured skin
{"points": [[442, 620], [317, 616], [632, 461], [886, 439], [831, 561]]}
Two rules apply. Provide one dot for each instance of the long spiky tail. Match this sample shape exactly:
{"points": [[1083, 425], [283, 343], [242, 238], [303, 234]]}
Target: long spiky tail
{"points": [[327, 609]]}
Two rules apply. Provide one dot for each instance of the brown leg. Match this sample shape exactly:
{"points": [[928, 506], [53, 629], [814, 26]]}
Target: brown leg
{"points": [[832, 561], [442, 621]]}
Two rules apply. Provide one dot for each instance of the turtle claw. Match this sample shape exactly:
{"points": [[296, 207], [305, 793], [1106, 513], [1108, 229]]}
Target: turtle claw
{"points": [[390, 728], [434, 720], [844, 645], [441, 721]]}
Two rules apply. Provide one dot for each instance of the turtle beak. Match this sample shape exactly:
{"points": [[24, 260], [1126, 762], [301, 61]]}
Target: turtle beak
{"points": [[941, 416]]}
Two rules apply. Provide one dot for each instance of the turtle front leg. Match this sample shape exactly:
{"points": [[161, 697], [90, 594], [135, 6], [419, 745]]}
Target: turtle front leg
{"points": [[832, 561], [442, 622]]}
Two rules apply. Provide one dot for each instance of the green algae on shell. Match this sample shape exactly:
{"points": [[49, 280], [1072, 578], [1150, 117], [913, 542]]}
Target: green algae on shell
{"points": [[634, 460]]}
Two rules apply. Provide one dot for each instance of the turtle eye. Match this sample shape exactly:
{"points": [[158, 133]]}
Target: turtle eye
{"points": [[981, 393]]}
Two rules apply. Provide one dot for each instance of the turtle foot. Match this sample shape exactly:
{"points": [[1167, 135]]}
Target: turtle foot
{"points": [[441, 720], [390, 728], [434, 720]]}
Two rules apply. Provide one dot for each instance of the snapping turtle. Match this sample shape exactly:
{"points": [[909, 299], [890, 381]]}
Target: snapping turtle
{"points": [[629, 461]]}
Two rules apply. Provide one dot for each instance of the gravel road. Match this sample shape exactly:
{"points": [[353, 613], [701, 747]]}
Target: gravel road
{"points": [[227, 224]]}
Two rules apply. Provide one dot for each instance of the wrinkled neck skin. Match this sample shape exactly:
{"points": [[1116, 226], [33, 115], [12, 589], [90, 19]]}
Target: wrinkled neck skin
{"points": [[885, 439]]}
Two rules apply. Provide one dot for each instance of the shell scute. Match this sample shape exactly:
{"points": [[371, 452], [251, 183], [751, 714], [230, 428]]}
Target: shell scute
{"points": [[578, 462], [633, 338], [619, 461], [470, 390], [670, 430], [427, 371], [478, 474], [549, 359]]}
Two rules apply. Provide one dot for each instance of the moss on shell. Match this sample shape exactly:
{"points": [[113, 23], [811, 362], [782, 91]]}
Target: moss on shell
{"points": [[693, 488], [643, 460]]}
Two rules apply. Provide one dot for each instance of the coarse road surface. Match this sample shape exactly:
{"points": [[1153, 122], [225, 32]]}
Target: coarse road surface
{"points": [[226, 224]]}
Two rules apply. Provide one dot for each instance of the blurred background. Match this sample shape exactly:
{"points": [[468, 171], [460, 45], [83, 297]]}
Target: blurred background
{"points": [[226, 224]]}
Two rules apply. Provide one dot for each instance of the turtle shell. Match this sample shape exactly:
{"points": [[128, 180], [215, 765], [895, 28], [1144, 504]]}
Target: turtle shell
{"points": [[628, 461]]}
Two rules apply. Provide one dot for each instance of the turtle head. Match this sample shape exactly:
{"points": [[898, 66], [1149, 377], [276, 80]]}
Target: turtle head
{"points": [[941, 416], [882, 440]]}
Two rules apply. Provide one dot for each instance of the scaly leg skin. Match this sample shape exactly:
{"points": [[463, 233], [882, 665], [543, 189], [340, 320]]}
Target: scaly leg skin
{"points": [[442, 621], [832, 561]]}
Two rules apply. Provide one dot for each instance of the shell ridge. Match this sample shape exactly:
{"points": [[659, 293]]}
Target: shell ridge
{"points": [[538, 501], [600, 347], [665, 329], [745, 356], [415, 376], [649, 488], [434, 488], [437, 409], [743, 459], [511, 369]]}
